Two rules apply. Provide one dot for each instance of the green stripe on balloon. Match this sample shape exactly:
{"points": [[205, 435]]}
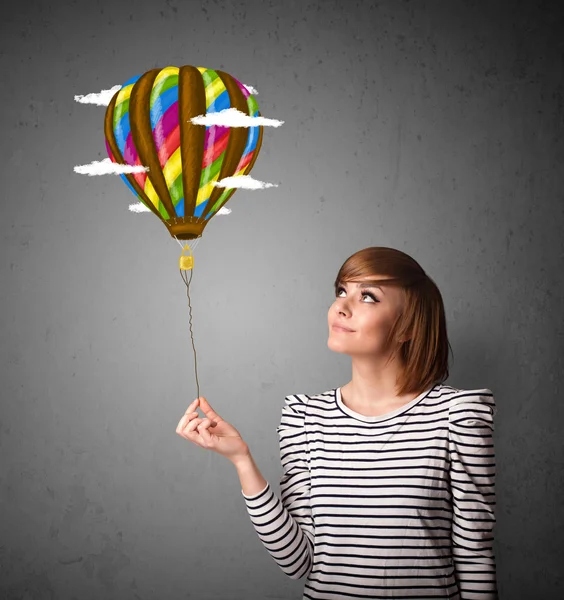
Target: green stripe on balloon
{"points": [[209, 76], [120, 110], [220, 200], [176, 190], [253, 106], [162, 86], [213, 170]]}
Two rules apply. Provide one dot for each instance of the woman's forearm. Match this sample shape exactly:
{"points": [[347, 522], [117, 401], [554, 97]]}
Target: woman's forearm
{"points": [[252, 482]]}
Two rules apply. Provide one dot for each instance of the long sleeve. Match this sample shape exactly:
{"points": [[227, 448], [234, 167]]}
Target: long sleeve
{"points": [[472, 475], [285, 527]]}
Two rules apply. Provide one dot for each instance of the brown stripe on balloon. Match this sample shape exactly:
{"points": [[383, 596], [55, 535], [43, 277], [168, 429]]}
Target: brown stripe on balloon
{"points": [[249, 166], [109, 133], [140, 121], [237, 138], [191, 103]]}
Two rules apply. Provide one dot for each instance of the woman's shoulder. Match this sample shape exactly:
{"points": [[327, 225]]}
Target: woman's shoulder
{"points": [[465, 399], [449, 388], [298, 402]]}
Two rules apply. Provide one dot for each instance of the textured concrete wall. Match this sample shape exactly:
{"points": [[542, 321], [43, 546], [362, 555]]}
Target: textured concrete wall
{"points": [[432, 127]]}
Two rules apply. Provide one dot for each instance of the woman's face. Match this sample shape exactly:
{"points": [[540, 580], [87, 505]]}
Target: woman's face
{"points": [[369, 312]]}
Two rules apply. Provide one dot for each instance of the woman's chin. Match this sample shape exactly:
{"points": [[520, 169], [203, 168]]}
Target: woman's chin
{"points": [[336, 346]]}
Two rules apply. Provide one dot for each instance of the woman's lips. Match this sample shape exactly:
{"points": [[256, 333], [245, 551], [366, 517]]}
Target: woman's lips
{"points": [[337, 328]]}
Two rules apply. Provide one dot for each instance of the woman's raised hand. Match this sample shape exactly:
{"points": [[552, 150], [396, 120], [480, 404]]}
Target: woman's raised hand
{"points": [[212, 432]]}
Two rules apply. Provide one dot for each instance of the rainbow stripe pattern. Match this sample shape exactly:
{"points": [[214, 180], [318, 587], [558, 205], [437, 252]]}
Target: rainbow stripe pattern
{"points": [[148, 123]]}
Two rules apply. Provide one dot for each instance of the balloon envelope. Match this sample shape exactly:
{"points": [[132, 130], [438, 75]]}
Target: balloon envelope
{"points": [[148, 123]]}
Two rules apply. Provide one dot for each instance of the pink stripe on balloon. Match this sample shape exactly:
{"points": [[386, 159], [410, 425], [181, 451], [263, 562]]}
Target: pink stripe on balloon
{"points": [[245, 91], [129, 152], [214, 132], [165, 125]]}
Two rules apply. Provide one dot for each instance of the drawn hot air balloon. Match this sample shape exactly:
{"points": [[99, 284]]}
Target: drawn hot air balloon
{"points": [[148, 123]]}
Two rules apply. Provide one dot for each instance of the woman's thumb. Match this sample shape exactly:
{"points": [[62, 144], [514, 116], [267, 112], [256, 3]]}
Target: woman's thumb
{"points": [[207, 409]]}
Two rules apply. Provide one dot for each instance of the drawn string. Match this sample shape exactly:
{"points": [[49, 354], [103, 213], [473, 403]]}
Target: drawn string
{"points": [[187, 281]]}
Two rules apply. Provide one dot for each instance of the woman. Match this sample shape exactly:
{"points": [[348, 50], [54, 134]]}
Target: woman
{"points": [[388, 488]]}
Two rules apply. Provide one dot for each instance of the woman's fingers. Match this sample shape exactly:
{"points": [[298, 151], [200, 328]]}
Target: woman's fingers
{"points": [[195, 427], [193, 424], [186, 417], [204, 433]]}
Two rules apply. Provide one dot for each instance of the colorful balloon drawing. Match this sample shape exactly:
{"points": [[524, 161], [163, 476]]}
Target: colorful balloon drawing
{"points": [[148, 123]]}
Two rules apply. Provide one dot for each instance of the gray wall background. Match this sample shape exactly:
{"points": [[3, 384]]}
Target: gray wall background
{"points": [[432, 127]]}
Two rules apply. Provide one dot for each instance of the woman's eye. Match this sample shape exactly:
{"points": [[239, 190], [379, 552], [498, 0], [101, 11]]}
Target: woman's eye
{"points": [[341, 289]]}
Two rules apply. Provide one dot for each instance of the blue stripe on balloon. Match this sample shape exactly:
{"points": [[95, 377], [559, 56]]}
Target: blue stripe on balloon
{"points": [[220, 103], [132, 80], [256, 133], [180, 207], [200, 209], [162, 103], [248, 145], [121, 131], [251, 140]]}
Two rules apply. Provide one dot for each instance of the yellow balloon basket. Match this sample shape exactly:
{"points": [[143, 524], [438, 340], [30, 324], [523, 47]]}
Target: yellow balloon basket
{"points": [[186, 263]]}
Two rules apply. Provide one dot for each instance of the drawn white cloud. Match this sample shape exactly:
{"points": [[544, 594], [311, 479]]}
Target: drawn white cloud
{"points": [[107, 167], [104, 97], [243, 181], [139, 208], [231, 117]]}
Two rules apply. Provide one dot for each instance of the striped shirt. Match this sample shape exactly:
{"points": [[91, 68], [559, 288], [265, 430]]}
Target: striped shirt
{"points": [[400, 505]]}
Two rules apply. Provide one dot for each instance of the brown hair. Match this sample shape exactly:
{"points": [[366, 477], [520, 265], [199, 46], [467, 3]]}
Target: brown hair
{"points": [[421, 322]]}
